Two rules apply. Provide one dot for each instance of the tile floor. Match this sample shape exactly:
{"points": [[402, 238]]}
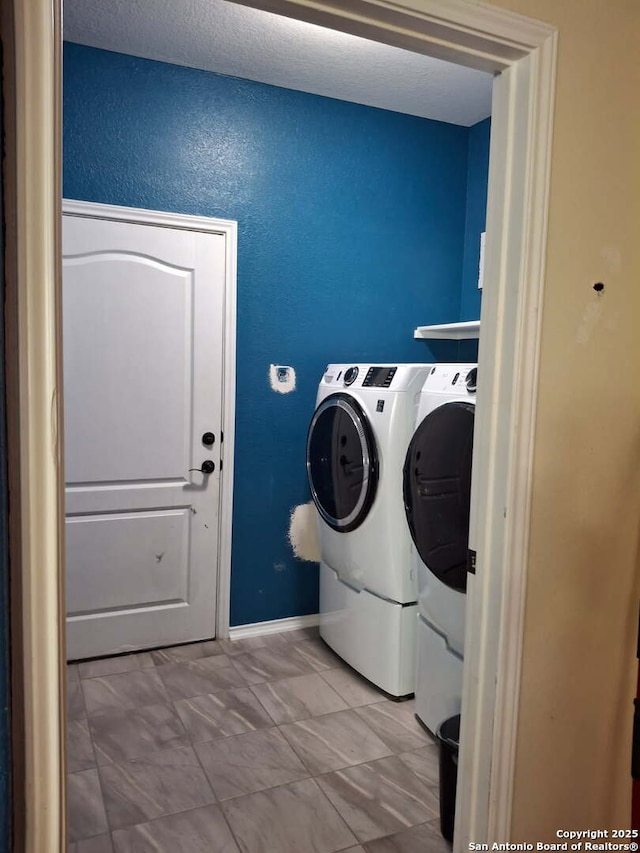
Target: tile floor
{"points": [[262, 745]]}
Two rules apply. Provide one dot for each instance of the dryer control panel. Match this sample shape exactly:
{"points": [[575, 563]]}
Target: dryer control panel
{"points": [[379, 377], [457, 379]]}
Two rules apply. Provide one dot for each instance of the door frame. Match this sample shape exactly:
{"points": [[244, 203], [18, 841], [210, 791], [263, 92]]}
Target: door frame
{"points": [[523, 52], [229, 230]]}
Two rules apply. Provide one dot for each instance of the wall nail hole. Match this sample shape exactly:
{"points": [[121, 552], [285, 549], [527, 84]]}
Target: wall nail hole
{"points": [[598, 287]]}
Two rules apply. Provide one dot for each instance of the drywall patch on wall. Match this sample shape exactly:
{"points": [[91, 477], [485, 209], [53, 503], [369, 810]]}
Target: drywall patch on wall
{"points": [[282, 378], [590, 319], [303, 533], [613, 321], [612, 257]]}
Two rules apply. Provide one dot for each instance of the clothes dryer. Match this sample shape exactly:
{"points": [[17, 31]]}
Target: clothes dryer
{"points": [[356, 445], [437, 496]]}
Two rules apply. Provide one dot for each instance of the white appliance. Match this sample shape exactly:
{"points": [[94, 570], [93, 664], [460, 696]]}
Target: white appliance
{"points": [[356, 446], [437, 494]]}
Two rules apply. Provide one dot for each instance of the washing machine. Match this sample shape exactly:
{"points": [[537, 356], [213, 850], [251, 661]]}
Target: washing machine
{"points": [[437, 496], [356, 445]]}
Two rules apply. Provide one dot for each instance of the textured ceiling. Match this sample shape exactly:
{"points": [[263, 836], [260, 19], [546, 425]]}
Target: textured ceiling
{"points": [[216, 35]]}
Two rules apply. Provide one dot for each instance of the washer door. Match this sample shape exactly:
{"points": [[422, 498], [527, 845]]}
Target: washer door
{"points": [[437, 491], [342, 463]]}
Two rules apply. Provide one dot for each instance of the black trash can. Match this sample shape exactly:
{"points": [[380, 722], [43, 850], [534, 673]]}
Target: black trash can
{"points": [[449, 736]]}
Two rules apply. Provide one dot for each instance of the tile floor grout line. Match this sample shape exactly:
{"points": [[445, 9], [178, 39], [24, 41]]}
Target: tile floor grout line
{"points": [[193, 744], [364, 722], [369, 684], [269, 787], [210, 692], [299, 719], [220, 803], [203, 768], [91, 837], [235, 668], [224, 736], [104, 802], [84, 701], [335, 769], [170, 814], [266, 790], [353, 766], [93, 751], [233, 835], [104, 807], [300, 758], [310, 775], [262, 705], [287, 785], [139, 756]]}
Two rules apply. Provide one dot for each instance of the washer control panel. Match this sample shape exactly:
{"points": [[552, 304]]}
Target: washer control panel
{"points": [[379, 377]]}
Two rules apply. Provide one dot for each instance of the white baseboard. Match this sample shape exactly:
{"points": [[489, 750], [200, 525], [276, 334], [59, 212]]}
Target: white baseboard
{"points": [[273, 626]]}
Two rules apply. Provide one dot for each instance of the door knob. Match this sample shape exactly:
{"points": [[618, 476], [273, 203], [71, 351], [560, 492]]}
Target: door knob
{"points": [[208, 438], [208, 467]]}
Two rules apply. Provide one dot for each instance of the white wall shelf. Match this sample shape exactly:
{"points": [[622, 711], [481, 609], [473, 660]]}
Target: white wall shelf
{"points": [[450, 331]]}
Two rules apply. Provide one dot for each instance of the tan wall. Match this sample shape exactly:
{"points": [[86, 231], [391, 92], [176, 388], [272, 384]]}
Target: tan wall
{"points": [[573, 752]]}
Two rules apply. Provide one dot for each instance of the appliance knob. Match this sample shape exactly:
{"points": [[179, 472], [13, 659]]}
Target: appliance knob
{"points": [[350, 375], [472, 380]]}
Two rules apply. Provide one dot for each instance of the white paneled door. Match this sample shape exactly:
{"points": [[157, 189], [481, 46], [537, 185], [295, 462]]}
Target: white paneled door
{"points": [[143, 309]]}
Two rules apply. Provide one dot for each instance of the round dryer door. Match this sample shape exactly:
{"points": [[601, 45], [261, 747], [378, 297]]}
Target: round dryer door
{"points": [[342, 462], [437, 491]]}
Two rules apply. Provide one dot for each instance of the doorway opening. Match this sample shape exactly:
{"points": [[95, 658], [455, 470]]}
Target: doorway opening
{"points": [[399, 199], [517, 217]]}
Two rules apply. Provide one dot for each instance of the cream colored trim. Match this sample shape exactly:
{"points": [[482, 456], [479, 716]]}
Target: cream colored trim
{"points": [[37, 36], [229, 229], [537, 169], [503, 445], [273, 626]]}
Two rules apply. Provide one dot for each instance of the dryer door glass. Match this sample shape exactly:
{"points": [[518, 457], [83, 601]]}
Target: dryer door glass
{"points": [[437, 491], [342, 462]]}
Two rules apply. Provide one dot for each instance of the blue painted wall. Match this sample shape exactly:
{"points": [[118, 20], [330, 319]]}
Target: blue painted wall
{"points": [[351, 233], [5, 748]]}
